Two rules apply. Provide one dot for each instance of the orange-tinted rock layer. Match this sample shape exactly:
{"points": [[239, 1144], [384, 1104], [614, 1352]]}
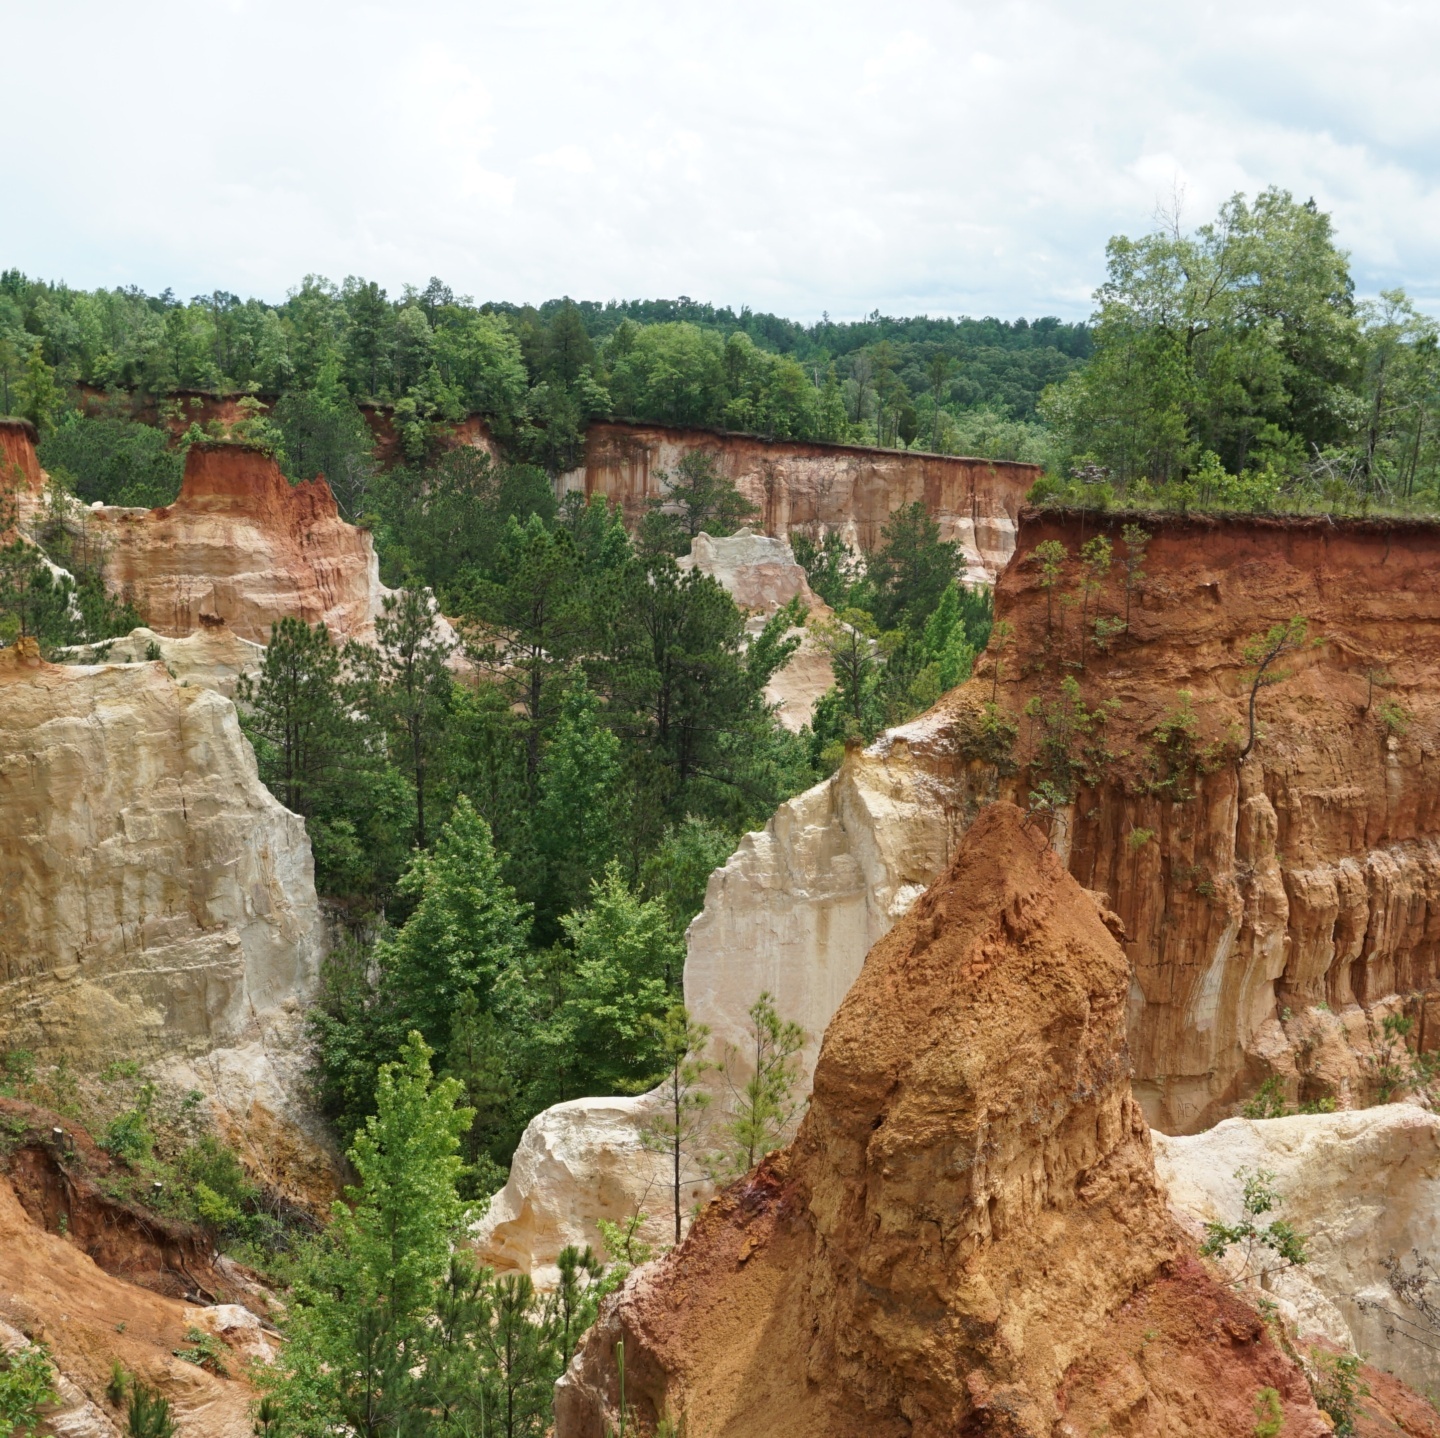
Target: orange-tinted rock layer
{"points": [[102, 1281], [1309, 875], [966, 1236], [800, 487], [244, 545]]}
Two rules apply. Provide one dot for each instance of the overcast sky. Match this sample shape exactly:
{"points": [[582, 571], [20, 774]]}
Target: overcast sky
{"points": [[945, 157]]}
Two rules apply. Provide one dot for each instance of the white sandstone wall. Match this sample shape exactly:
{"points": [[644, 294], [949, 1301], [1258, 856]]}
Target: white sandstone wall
{"points": [[1360, 1185]]}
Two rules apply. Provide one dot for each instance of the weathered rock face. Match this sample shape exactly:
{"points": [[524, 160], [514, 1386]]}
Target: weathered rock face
{"points": [[242, 545], [157, 899], [99, 1281], [19, 466], [22, 481], [792, 913], [577, 1162], [810, 488], [966, 1235], [1363, 1187], [156, 903], [1302, 878], [760, 573]]}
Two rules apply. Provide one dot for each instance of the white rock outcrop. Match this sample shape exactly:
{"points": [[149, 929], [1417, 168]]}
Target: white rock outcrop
{"points": [[793, 912], [577, 1162], [760, 574], [1362, 1186], [157, 900], [757, 570]]}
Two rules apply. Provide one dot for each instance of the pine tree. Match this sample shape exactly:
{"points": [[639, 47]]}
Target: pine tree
{"points": [[414, 684], [678, 1121], [575, 808], [466, 929], [296, 714], [766, 1103]]}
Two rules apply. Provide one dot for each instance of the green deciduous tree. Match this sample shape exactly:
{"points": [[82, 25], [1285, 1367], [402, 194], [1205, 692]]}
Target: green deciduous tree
{"points": [[1259, 655], [27, 1384]]}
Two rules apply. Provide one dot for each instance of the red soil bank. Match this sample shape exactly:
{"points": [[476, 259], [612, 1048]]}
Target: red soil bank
{"points": [[966, 1236]]}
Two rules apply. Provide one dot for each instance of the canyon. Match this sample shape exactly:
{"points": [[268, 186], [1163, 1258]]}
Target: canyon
{"points": [[1276, 911], [1200, 922], [966, 1235]]}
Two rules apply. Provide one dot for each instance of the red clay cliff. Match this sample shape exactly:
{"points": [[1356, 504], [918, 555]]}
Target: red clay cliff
{"points": [[812, 488]]}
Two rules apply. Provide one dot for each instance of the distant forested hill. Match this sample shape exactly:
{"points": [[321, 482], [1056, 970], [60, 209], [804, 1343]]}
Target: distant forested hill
{"points": [[540, 374]]}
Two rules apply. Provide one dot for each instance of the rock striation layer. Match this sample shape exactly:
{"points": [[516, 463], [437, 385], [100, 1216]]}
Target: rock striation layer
{"points": [[1274, 907], [157, 898], [1363, 1187], [210, 658], [966, 1236], [805, 487], [242, 545]]}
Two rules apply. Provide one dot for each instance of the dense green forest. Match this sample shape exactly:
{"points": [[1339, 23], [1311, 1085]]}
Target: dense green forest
{"points": [[538, 375], [1235, 368]]}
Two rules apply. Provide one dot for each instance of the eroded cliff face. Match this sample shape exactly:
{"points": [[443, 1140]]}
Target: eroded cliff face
{"points": [[809, 488], [210, 658], [99, 1280], [792, 913], [158, 903], [22, 481], [18, 463], [966, 1235], [242, 545], [1273, 918], [1252, 892]]}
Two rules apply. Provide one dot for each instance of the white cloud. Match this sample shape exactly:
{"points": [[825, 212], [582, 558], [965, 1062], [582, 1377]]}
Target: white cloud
{"points": [[950, 156]]}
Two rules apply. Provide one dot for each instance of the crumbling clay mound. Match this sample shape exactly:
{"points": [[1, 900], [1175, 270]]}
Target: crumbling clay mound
{"points": [[243, 545], [966, 1236], [102, 1281]]}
